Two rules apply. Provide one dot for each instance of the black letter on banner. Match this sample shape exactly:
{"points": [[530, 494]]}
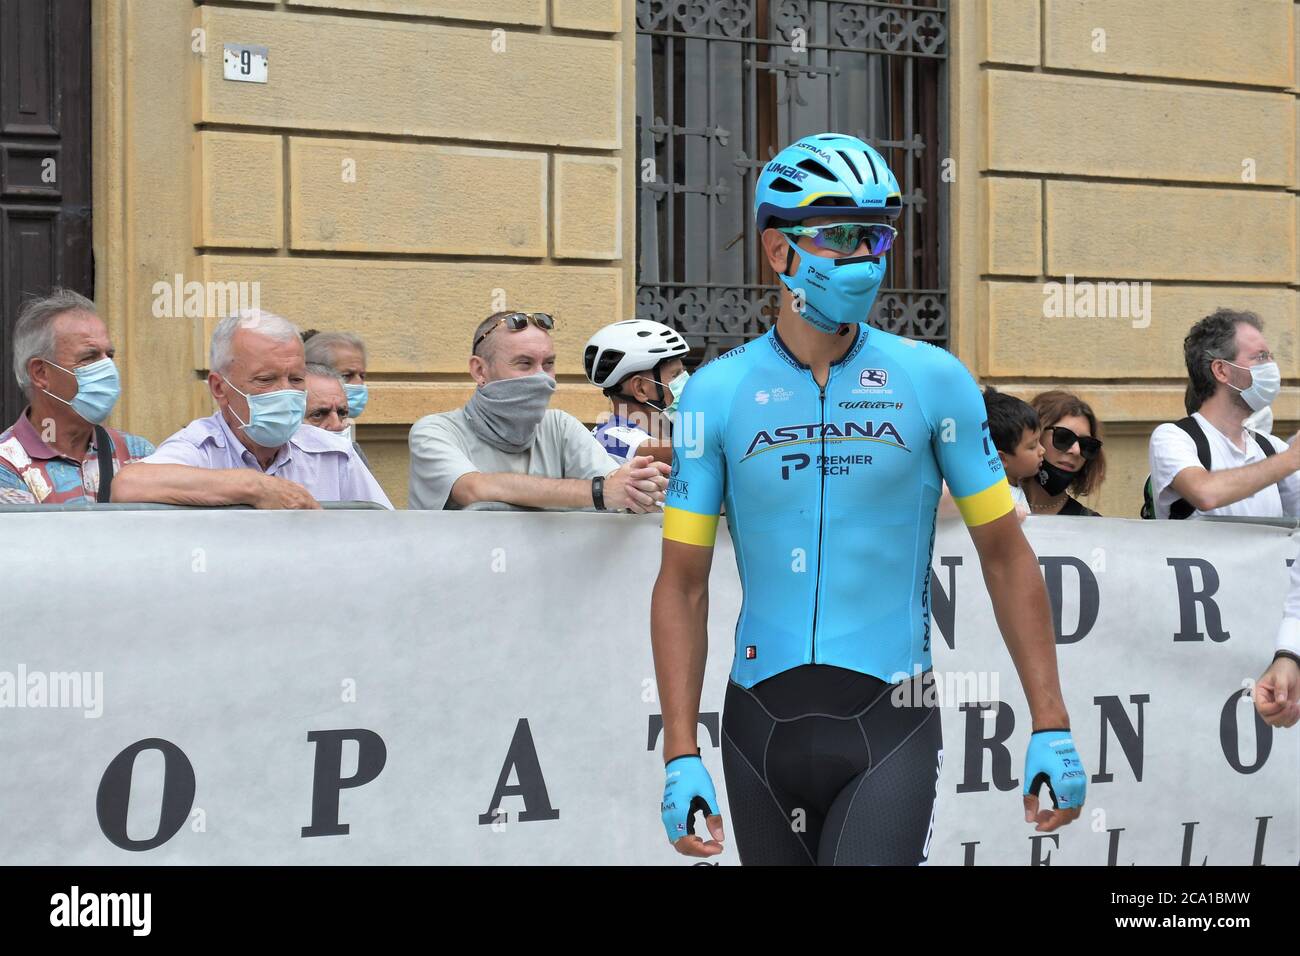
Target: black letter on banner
{"points": [[944, 603], [1228, 735], [1036, 858], [1189, 831], [531, 786], [1189, 597], [328, 780], [115, 793], [969, 857], [1089, 599], [1112, 857], [977, 743], [1130, 740], [1259, 841], [708, 720]]}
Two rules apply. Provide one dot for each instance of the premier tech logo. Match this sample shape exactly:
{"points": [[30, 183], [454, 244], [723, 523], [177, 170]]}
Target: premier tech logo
{"points": [[787, 435]]}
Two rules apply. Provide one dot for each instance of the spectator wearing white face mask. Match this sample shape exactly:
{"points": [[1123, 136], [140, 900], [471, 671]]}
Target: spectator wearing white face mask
{"points": [[638, 364], [1210, 463]]}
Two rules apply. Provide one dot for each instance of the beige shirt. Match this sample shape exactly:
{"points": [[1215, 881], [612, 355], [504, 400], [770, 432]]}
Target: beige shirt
{"points": [[444, 448]]}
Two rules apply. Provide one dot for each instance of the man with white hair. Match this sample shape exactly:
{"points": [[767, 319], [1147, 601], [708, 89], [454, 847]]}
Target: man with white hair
{"points": [[255, 449], [59, 451]]}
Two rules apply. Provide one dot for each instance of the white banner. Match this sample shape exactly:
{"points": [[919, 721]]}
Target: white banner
{"points": [[415, 687]]}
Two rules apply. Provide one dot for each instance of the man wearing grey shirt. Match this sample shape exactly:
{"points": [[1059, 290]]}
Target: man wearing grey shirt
{"points": [[505, 445]]}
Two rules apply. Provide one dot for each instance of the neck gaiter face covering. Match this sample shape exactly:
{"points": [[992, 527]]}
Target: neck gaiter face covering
{"points": [[505, 413]]}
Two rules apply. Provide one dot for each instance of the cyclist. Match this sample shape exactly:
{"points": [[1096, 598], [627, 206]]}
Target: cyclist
{"points": [[829, 441], [638, 365]]}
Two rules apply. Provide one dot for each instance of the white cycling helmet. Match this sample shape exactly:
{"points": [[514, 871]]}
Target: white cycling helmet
{"points": [[633, 345]]}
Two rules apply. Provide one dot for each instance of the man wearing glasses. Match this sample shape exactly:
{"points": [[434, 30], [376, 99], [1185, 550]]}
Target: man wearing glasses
{"points": [[1209, 463], [505, 445], [829, 441]]}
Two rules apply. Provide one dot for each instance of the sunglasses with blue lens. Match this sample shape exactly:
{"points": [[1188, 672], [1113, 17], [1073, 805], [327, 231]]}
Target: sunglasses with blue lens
{"points": [[847, 237]]}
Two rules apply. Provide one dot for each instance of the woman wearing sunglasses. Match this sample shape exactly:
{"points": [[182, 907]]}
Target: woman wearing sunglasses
{"points": [[1072, 455]]}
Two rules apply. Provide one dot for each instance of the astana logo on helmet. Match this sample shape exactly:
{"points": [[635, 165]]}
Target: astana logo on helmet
{"points": [[830, 175]]}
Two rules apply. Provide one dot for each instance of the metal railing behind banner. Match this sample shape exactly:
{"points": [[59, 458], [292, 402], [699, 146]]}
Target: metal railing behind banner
{"points": [[146, 506]]}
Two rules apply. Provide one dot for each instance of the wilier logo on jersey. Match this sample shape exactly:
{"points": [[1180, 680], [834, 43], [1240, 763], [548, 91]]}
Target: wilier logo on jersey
{"points": [[884, 432]]}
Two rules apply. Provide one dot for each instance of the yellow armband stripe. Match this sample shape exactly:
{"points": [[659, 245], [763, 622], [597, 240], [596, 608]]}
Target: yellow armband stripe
{"points": [[689, 527], [987, 505]]}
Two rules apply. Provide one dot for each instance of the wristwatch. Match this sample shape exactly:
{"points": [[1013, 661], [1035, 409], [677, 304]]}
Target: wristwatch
{"points": [[598, 492], [1287, 654]]}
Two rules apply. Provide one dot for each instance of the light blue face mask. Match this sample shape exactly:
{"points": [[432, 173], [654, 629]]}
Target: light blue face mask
{"points": [[98, 386], [273, 416], [675, 388], [358, 396], [835, 291]]}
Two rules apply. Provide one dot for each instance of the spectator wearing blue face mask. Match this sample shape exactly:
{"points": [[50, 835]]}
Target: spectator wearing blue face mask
{"points": [[256, 448], [327, 405], [59, 451], [346, 354]]}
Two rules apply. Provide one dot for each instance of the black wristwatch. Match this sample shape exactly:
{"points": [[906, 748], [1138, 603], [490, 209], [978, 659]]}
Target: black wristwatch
{"points": [[1294, 657], [598, 492]]}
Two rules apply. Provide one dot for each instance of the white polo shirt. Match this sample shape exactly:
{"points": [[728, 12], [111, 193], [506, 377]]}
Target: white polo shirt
{"points": [[1172, 450]]}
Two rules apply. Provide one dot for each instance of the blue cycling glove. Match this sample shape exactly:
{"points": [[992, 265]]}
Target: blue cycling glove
{"points": [[1052, 760], [687, 788]]}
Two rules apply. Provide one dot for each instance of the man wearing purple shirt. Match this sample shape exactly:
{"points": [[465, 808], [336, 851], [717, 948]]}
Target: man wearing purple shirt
{"points": [[255, 449]]}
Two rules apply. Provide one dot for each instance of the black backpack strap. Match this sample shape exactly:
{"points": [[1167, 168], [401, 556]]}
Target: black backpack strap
{"points": [[1265, 445], [1193, 429], [1181, 509], [104, 448]]}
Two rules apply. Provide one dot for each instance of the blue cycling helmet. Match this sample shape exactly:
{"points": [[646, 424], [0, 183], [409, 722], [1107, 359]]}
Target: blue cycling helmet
{"points": [[822, 165]]}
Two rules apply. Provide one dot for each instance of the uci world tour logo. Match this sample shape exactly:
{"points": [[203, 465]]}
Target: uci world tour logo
{"points": [[787, 435]]}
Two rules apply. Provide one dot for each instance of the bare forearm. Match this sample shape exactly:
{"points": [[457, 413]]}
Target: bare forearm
{"points": [[658, 450], [1024, 617], [530, 491], [185, 485], [679, 637], [1214, 489]]}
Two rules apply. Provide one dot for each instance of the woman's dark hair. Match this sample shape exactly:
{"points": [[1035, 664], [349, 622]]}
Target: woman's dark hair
{"points": [[1009, 417], [1214, 337], [1051, 407]]}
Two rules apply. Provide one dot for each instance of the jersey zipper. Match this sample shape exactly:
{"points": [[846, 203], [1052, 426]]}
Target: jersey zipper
{"points": [[821, 519]]}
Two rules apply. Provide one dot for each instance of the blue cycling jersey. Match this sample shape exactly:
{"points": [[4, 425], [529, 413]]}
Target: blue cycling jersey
{"points": [[831, 494]]}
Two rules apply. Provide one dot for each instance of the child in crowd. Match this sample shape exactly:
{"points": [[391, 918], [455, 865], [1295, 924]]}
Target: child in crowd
{"points": [[1013, 426]]}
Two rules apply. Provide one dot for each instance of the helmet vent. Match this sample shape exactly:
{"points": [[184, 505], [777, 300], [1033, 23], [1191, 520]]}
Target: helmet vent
{"points": [[783, 185], [871, 165], [608, 361], [816, 168], [856, 175]]}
